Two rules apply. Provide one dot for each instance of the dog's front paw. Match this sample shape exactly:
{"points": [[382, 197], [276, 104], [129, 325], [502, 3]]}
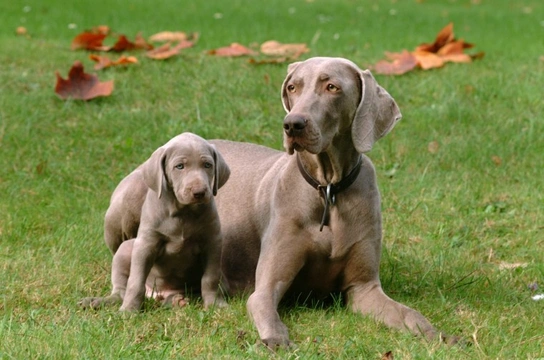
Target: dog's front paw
{"points": [[277, 343], [218, 302]]}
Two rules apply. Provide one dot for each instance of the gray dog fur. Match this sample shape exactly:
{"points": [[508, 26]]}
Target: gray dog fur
{"points": [[271, 216], [169, 201]]}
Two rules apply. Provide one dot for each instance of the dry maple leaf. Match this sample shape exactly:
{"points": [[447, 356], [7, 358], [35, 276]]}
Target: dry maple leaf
{"points": [[100, 29], [428, 56], [169, 36], [141, 43], [444, 36], [123, 44], [89, 41], [275, 48], [80, 85], [167, 51], [232, 50], [104, 62], [400, 63], [428, 60]]}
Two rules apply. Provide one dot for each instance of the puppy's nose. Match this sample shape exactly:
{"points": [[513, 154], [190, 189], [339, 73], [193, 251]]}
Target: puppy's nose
{"points": [[199, 193], [294, 124]]}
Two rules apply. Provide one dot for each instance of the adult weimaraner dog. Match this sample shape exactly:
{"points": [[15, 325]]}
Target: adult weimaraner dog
{"points": [[169, 201], [308, 219]]}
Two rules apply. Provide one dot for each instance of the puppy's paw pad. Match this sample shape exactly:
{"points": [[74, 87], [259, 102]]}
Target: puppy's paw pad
{"points": [[179, 301]]}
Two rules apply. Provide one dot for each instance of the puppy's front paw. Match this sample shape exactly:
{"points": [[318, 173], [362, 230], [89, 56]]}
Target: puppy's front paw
{"points": [[95, 303], [179, 301]]}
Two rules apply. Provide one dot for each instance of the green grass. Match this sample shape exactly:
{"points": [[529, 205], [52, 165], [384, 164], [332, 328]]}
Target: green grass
{"points": [[450, 217]]}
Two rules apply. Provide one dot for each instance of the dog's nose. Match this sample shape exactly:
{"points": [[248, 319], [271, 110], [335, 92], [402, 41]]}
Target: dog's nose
{"points": [[294, 124], [199, 194]]}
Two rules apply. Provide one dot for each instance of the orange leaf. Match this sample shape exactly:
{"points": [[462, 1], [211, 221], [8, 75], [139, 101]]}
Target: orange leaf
{"points": [[140, 42], [81, 86], [100, 29], [168, 36], [123, 44], [165, 51], [104, 62], [275, 48], [427, 60], [454, 47], [444, 36], [89, 41], [232, 50], [21, 30], [401, 63]]}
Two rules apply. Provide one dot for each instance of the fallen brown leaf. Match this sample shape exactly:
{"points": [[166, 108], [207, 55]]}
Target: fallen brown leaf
{"points": [[100, 29], [232, 50], [169, 36], [104, 62], [275, 48], [141, 43], [428, 60], [21, 30], [399, 64], [89, 41], [167, 51], [444, 36], [80, 85], [123, 44], [444, 49]]}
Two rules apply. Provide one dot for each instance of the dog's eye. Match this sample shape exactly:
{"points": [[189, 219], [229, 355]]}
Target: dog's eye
{"points": [[291, 88], [332, 88], [208, 165], [179, 166]]}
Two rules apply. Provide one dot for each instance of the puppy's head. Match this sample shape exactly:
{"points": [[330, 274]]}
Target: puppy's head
{"points": [[187, 169]]}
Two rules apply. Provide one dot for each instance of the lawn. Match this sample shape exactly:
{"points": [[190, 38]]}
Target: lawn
{"points": [[461, 175]]}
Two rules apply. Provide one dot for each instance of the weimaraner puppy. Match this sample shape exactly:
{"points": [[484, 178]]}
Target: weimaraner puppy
{"points": [[169, 199], [308, 219]]}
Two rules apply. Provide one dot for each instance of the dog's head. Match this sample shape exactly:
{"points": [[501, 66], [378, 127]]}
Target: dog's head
{"points": [[325, 97], [187, 167]]}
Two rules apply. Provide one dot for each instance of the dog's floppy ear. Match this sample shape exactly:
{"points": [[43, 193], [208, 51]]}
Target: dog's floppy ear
{"points": [[222, 171], [154, 172], [376, 114], [284, 98]]}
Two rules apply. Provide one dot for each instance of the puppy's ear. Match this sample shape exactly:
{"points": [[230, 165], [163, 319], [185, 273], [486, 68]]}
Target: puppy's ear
{"points": [[154, 172], [222, 171], [376, 114], [284, 98]]}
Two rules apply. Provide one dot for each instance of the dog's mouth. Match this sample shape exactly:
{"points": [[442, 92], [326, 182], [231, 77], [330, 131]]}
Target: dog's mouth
{"points": [[299, 144], [190, 197]]}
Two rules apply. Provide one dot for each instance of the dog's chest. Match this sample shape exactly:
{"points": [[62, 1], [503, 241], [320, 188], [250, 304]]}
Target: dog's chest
{"points": [[181, 239]]}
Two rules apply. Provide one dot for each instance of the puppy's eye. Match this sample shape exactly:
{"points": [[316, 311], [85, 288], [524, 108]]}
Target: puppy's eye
{"points": [[179, 166], [208, 165], [332, 88], [291, 88]]}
